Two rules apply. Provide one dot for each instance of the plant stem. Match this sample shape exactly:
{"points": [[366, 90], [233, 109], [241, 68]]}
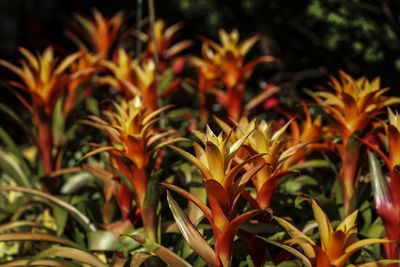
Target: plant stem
{"points": [[45, 142], [350, 156], [152, 15], [139, 15]]}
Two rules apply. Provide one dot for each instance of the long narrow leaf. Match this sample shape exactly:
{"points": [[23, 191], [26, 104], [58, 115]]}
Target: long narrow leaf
{"points": [[79, 216], [206, 210], [162, 252], [13, 148], [69, 253], [16, 224], [289, 249], [13, 170], [47, 262], [28, 236], [190, 233]]}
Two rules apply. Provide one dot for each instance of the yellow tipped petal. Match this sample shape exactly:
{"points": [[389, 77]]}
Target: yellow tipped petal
{"points": [[324, 225], [30, 57], [348, 223], [215, 161], [356, 246]]}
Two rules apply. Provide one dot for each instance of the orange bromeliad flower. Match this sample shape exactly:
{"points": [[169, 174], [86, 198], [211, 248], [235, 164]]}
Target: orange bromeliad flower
{"points": [[45, 81], [223, 188], [228, 63], [132, 136], [167, 50], [276, 153], [208, 75], [352, 107], [305, 131], [100, 33], [133, 78], [83, 70], [336, 245]]}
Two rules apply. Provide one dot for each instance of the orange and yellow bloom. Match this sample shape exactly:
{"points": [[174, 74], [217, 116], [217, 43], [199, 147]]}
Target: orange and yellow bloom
{"points": [[132, 136], [223, 188], [336, 245], [45, 80], [227, 63], [352, 107]]}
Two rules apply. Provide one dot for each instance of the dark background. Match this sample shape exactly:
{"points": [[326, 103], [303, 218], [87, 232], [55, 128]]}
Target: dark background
{"points": [[360, 37]]}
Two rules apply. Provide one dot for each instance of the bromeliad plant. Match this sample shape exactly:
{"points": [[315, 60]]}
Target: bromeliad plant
{"points": [[352, 108], [223, 188], [133, 140], [386, 195], [167, 49], [133, 78], [207, 77], [336, 245], [128, 171], [226, 62], [275, 151], [83, 69], [45, 80], [99, 35], [306, 130]]}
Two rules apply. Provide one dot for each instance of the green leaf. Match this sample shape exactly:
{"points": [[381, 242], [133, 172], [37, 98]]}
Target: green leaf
{"points": [[69, 253], [314, 163], [291, 250], [374, 231], [58, 121], [295, 185], [127, 243], [60, 216], [150, 204], [102, 241], [162, 252], [187, 87], [79, 216], [16, 118], [12, 168], [92, 106], [168, 77], [28, 236], [289, 264], [76, 182], [13, 148], [16, 224], [45, 262], [261, 228]]}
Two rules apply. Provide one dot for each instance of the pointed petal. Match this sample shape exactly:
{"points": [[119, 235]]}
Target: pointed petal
{"points": [[356, 246], [307, 246], [247, 44], [13, 68], [215, 161], [206, 173], [324, 225], [98, 150], [66, 63], [30, 57]]}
